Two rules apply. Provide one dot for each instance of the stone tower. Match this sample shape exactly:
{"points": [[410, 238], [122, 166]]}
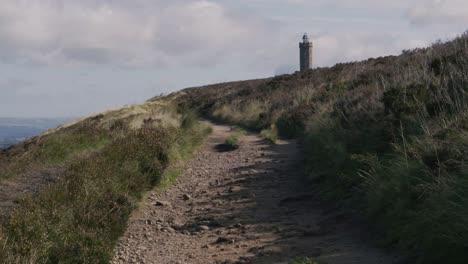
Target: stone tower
{"points": [[305, 48]]}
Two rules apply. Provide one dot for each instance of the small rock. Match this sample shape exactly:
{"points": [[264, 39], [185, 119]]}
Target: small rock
{"points": [[168, 229], [243, 260], [186, 197], [142, 248], [162, 203], [203, 228], [255, 250], [177, 224], [224, 240], [238, 225], [271, 251], [235, 189]]}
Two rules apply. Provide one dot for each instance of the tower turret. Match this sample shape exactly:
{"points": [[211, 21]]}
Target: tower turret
{"points": [[305, 51]]}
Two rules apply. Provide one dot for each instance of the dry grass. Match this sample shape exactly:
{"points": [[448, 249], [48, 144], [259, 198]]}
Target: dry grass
{"points": [[387, 136]]}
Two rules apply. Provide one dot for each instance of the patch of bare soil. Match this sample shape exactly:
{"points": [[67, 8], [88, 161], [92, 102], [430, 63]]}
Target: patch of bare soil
{"points": [[242, 206]]}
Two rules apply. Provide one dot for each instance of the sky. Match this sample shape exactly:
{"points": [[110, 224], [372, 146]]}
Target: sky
{"points": [[68, 58]]}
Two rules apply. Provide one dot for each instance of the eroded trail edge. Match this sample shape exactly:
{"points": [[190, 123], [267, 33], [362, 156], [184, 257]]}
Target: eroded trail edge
{"points": [[241, 206]]}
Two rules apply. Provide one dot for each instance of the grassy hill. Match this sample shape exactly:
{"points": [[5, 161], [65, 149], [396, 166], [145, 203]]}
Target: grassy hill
{"points": [[73, 188], [387, 136]]}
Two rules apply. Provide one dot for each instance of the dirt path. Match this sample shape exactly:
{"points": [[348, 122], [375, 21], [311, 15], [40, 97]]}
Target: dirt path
{"points": [[242, 206]]}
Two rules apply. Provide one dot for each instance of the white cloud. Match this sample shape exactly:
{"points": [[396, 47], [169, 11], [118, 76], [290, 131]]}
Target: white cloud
{"points": [[144, 33], [190, 32], [441, 12], [183, 43]]}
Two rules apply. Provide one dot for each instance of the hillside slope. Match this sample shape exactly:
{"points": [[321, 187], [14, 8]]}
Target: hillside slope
{"points": [[388, 136], [66, 195]]}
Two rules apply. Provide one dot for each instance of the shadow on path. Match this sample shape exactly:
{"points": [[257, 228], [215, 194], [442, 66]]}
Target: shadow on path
{"points": [[247, 205]]}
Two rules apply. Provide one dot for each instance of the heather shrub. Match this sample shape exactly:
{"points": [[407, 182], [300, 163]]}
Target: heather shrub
{"points": [[79, 217], [387, 136]]}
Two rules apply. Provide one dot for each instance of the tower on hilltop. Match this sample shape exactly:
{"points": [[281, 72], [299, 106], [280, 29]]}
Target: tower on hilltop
{"points": [[305, 50]]}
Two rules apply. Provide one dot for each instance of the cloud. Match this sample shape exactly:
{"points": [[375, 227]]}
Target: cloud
{"points": [[68, 57], [199, 33], [439, 12], [144, 33]]}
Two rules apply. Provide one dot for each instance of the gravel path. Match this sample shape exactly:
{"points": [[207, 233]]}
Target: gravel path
{"points": [[242, 206]]}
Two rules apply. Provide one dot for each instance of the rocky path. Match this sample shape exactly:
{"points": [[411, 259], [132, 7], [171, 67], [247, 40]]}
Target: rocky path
{"points": [[242, 206]]}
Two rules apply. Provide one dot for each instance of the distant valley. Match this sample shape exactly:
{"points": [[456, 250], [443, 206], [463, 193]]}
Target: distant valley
{"points": [[14, 130]]}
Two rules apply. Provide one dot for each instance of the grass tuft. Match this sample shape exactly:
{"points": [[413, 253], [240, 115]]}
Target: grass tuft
{"points": [[232, 140], [303, 260], [270, 134]]}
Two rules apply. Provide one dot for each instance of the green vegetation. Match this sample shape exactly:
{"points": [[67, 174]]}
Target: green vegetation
{"points": [[303, 260], [53, 150], [79, 217], [388, 136], [270, 134], [232, 140], [65, 144]]}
